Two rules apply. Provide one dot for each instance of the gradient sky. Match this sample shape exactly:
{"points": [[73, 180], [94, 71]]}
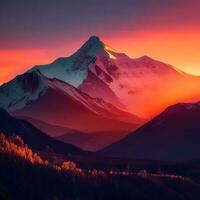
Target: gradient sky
{"points": [[38, 31]]}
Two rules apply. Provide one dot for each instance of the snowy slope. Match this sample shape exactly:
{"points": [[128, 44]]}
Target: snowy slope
{"points": [[73, 69], [22, 90]]}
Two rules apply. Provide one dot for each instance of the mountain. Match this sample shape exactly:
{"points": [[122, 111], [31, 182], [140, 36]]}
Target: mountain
{"points": [[52, 130], [94, 91], [76, 68], [173, 135], [92, 142], [85, 141], [36, 139], [58, 108], [56, 102], [127, 83]]}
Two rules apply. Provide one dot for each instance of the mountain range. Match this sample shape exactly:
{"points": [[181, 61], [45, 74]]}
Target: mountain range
{"points": [[36, 139], [97, 96]]}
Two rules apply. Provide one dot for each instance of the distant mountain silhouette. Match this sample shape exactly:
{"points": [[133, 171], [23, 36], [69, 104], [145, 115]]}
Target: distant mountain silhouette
{"points": [[36, 139], [174, 135]]}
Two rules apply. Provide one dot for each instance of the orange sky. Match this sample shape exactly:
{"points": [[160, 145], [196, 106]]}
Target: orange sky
{"points": [[36, 33], [179, 47]]}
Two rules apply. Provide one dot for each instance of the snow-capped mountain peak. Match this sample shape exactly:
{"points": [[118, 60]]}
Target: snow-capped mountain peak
{"points": [[94, 46], [99, 70], [90, 48], [74, 69]]}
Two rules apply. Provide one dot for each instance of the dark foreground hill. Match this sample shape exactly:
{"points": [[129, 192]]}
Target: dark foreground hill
{"points": [[174, 135]]}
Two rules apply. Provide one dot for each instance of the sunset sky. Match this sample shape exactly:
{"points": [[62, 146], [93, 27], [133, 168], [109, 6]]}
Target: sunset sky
{"points": [[38, 31]]}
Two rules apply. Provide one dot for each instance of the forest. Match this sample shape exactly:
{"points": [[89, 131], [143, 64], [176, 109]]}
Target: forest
{"points": [[26, 174]]}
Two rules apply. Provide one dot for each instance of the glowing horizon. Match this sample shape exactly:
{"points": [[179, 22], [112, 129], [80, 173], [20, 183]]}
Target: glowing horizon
{"points": [[164, 30], [14, 62]]}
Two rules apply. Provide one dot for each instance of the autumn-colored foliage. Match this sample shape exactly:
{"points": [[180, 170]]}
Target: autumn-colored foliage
{"points": [[15, 145], [22, 169]]}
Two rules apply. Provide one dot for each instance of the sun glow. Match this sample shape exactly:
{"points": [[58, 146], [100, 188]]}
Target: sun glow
{"points": [[109, 50], [179, 47]]}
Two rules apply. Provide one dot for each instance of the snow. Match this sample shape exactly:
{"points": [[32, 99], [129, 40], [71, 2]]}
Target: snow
{"points": [[73, 69], [66, 71], [14, 96]]}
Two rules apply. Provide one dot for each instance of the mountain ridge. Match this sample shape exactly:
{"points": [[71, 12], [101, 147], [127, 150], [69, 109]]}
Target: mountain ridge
{"points": [[35, 138], [173, 135], [55, 102]]}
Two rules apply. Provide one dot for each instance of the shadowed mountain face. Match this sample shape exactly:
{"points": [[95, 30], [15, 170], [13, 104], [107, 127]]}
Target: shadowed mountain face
{"points": [[86, 141], [32, 136], [52, 130], [173, 135], [100, 71], [92, 142]]}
